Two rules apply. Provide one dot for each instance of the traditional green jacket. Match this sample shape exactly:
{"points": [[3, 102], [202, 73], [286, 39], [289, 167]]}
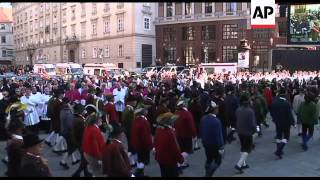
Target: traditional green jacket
{"points": [[308, 113]]}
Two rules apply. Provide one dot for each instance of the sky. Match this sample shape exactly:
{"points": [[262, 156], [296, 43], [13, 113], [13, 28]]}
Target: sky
{"points": [[5, 4]]}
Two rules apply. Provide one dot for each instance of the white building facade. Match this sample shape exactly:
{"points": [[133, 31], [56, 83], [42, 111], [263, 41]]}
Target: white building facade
{"points": [[119, 33], [6, 39]]}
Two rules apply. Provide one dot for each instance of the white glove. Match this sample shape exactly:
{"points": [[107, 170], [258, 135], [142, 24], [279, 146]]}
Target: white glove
{"points": [[221, 151], [100, 162]]}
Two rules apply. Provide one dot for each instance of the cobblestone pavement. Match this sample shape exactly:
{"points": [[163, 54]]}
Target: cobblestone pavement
{"points": [[262, 161]]}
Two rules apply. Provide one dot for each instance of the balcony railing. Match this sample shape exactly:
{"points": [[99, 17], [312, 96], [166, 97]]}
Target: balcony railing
{"points": [[215, 15]]}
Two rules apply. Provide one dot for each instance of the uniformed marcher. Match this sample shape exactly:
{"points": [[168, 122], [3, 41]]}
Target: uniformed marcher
{"points": [[246, 127], [211, 132], [185, 131], [167, 150], [281, 113], [32, 163], [141, 139]]}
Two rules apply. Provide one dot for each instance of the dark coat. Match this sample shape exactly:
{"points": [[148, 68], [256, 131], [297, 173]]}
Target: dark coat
{"points": [[66, 118], [281, 113], [115, 161], [211, 131], [32, 166], [246, 121], [231, 105], [55, 115], [15, 153], [77, 130]]}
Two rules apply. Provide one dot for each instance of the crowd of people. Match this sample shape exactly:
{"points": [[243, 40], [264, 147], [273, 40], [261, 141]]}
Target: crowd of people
{"points": [[112, 126]]}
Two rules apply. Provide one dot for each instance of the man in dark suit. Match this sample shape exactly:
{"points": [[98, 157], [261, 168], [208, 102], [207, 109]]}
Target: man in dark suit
{"points": [[32, 164], [281, 113]]}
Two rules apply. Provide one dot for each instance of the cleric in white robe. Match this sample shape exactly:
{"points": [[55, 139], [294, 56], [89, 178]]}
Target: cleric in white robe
{"points": [[32, 118]]}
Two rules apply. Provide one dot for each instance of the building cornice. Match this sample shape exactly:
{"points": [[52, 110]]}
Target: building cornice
{"points": [[14, 9], [92, 40]]}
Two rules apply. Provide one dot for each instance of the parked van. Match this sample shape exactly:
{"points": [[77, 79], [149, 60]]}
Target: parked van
{"points": [[224, 68], [149, 71], [47, 69], [100, 69], [68, 68]]}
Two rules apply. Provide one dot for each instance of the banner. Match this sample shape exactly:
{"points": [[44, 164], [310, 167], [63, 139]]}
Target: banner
{"points": [[243, 59]]}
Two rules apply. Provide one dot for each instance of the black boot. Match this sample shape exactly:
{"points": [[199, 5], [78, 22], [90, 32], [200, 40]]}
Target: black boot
{"points": [[230, 137], [277, 153], [210, 169], [139, 172]]}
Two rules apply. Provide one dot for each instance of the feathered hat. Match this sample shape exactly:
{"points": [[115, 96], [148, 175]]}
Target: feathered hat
{"points": [[167, 119], [15, 109]]}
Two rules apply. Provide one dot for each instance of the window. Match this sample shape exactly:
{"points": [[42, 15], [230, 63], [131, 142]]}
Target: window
{"points": [[73, 13], [107, 52], [95, 53], [106, 27], [208, 54], [73, 29], [169, 35], [230, 31], [4, 53], [120, 19], [208, 32], [262, 52], [94, 8], [120, 51], [146, 4], [64, 32], [36, 25], [208, 7], [2, 26], [30, 14], [138, 64], [231, 7], [3, 39], [169, 9], [187, 8], [147, 23], [94, 27], [83, 53], [229, 53], [189, 55], [170, 54], [106, 7], [83, 29], [188, 33], [120, 5], [83, 9], [64, 14], [120, 65], [261, 34], [282, 29], [54, 18]]}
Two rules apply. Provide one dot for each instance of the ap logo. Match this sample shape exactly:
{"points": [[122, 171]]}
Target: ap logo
{"points": [[263, 14]]}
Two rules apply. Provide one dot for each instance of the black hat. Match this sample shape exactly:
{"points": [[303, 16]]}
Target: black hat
{"points": [[59, 91], [116, 129], [131, 98], [98, 91], [27, 85], [65, 100], [30, 140], [78, 108]]}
